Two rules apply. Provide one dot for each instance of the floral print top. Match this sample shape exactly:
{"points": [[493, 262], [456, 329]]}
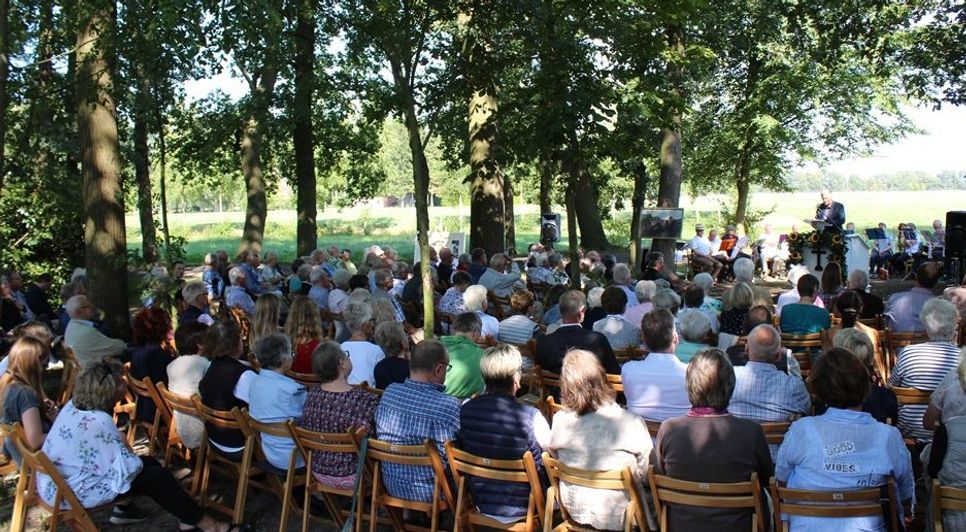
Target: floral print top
{"points": [[330, 412], [92, 456]]}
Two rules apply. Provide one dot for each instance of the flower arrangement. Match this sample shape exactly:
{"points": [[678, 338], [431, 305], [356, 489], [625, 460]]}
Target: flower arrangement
{"points": [[831, 243]]}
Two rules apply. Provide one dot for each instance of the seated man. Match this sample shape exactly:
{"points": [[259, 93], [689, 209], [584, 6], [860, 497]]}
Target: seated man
{"points": [[770, 254], [478, 265], [763, 392], [249, 266], [903, 308], [872, 304], [37, 299], [794, 274], [319, 293], [551, 348], [463, 377], [540, 271], [804, 317], [744, 270], [881, 252], [620, 333], [654, 387], [519, 329], [474, 300], [701, 252], [413, 412], [655, 269], [236, 296], [496, 279], [923, 366], [89, 345]]}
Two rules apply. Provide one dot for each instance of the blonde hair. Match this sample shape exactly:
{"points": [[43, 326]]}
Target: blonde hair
{"points": [[267, 315], [500, 365], [742, 296], [583, 383], [97, 387], [304, 321], [391, 337], [25, 367]]}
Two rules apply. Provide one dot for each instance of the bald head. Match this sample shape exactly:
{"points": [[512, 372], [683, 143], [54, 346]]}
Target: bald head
{"points": [[764, 344]]}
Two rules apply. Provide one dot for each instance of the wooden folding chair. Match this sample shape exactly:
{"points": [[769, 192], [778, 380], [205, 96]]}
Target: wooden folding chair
{"points": [[144, 390], [32, 463], [241, 470], [244, 326], [330, 318], [653, 426], [628, 353], [546, 383], [667, 490], [523, 471], [498, 305], [895, 341], [309, 443], [907, 397], [305, 379], [551, 407], [803, 346], [775, 432], [426, 455], [68, 377], [835, 504], [183, 406], [615, 382], [255, 429], [364, 386], [615, 479], [7, 465], [946, 498]]}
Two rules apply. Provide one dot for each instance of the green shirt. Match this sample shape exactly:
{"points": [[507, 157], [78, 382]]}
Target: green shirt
{"points": [[463, 379]]}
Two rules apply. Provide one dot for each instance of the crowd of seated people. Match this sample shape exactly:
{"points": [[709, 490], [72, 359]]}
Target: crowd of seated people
{"points": [[708, 371]]}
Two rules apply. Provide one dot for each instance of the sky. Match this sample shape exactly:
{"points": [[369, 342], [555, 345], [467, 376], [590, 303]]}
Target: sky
{"points": [[940, 146]]}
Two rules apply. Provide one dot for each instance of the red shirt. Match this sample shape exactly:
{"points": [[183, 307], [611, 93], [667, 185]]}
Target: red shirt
{"points": [[303, 357]]}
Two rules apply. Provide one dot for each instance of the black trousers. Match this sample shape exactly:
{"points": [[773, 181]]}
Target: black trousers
{"points": [[158, 483]]}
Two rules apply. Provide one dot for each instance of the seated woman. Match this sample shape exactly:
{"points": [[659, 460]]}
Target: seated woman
{"points": [[195, 296], [107, 468], [805, 316], [519, 329], [22, 395], [338, 299], [743, 297], [304, 328], [268, 315], [151, 329], [226, 384], [184, 374], [831, 286], [275, 398], [364, 354], [494, 425], [943, 458], [706, 282], [391, 337], [696, 334], [336, 406], [711, 445], [595, 309], [848, 307], [619, 332], [693, 299], [844, 448], [452, 301], [593, 432], [881, 402]]}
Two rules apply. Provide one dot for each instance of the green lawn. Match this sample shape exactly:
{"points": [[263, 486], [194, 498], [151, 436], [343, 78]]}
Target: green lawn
{"points": [[357, 228]]}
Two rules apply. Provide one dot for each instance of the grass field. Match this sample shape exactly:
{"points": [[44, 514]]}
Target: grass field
{"points": [[359, 227]]}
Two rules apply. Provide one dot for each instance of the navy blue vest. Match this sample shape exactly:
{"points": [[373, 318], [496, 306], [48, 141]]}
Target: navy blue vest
{"points": [[498, 427]]}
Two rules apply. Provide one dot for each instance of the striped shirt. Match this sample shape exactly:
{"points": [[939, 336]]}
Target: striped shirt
{"points": [[921, 366], [764, 394], [408, 414], [517, 330], [619, 332]]}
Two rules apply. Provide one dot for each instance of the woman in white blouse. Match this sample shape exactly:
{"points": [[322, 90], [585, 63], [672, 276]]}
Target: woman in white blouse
{"points": [[99, 466]]}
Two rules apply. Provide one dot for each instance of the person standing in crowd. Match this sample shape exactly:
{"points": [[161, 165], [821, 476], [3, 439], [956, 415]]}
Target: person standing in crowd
{"points": [[831, 212]]}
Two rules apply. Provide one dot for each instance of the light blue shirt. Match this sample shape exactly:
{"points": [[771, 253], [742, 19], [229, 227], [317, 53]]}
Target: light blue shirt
{"points": [[273, 398], [320, 296], [847, 450], [765, 394], [903, 310], [236, 296]]}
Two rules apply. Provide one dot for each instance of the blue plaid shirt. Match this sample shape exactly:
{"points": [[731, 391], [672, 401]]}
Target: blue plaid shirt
{"points": [[408, 414]]}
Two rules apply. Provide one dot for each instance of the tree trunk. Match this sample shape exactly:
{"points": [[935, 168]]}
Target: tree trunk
{"points": [[163, 184], [637, 205], [487, 203], [42, 105], [303, 135], [508, 221], [669, 190], [142, 175], [546, 182], [104, 238], [256, 208], [585, 205], [743, 165], [574, 269], [4, 76]]}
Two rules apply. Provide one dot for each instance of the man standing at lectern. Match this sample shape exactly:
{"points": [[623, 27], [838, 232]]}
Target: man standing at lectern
{"points": [[830, 211]]}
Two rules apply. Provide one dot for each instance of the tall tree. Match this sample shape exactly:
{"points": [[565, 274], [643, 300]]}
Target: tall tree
{"points": [[142, 176], [303, 134], [104, 236]]}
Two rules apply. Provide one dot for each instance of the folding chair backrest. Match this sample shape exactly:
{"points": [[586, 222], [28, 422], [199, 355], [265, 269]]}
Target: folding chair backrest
{"points": [[628, 353], [305, 379], [911, 396], [552, 406], [364, 386], [706, 495], [615, 382], [615, 479], [803, 346], [309, 441], [946, 498], [412, 455], [7, 465], [775, 432], [522, 471], [809, 503], [175, 402], [653, 426], [145, 390], [223, 419], [68, 377]]}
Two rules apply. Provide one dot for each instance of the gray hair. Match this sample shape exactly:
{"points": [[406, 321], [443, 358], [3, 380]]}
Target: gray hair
{"points": [[497, 261], [235, 274], [765, 343], [661, 283], [464, 258], [571, 302], [318, 273], [382, 310], [357, 314], [304, 272], [593, 297], [554, 259], [797, 272], [273, 351], [540, 259], [695, 326], [744, 269], [939, 318], [856, 342], [667, 299], [467, 322], [74, 304], [382, 275], [390, 336], [710, 379], [645, 290], [360, 294], [705, 281], [341, 278], [500, 366], [858, 280], [192, 290], [621, 273], [474, 298]]}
